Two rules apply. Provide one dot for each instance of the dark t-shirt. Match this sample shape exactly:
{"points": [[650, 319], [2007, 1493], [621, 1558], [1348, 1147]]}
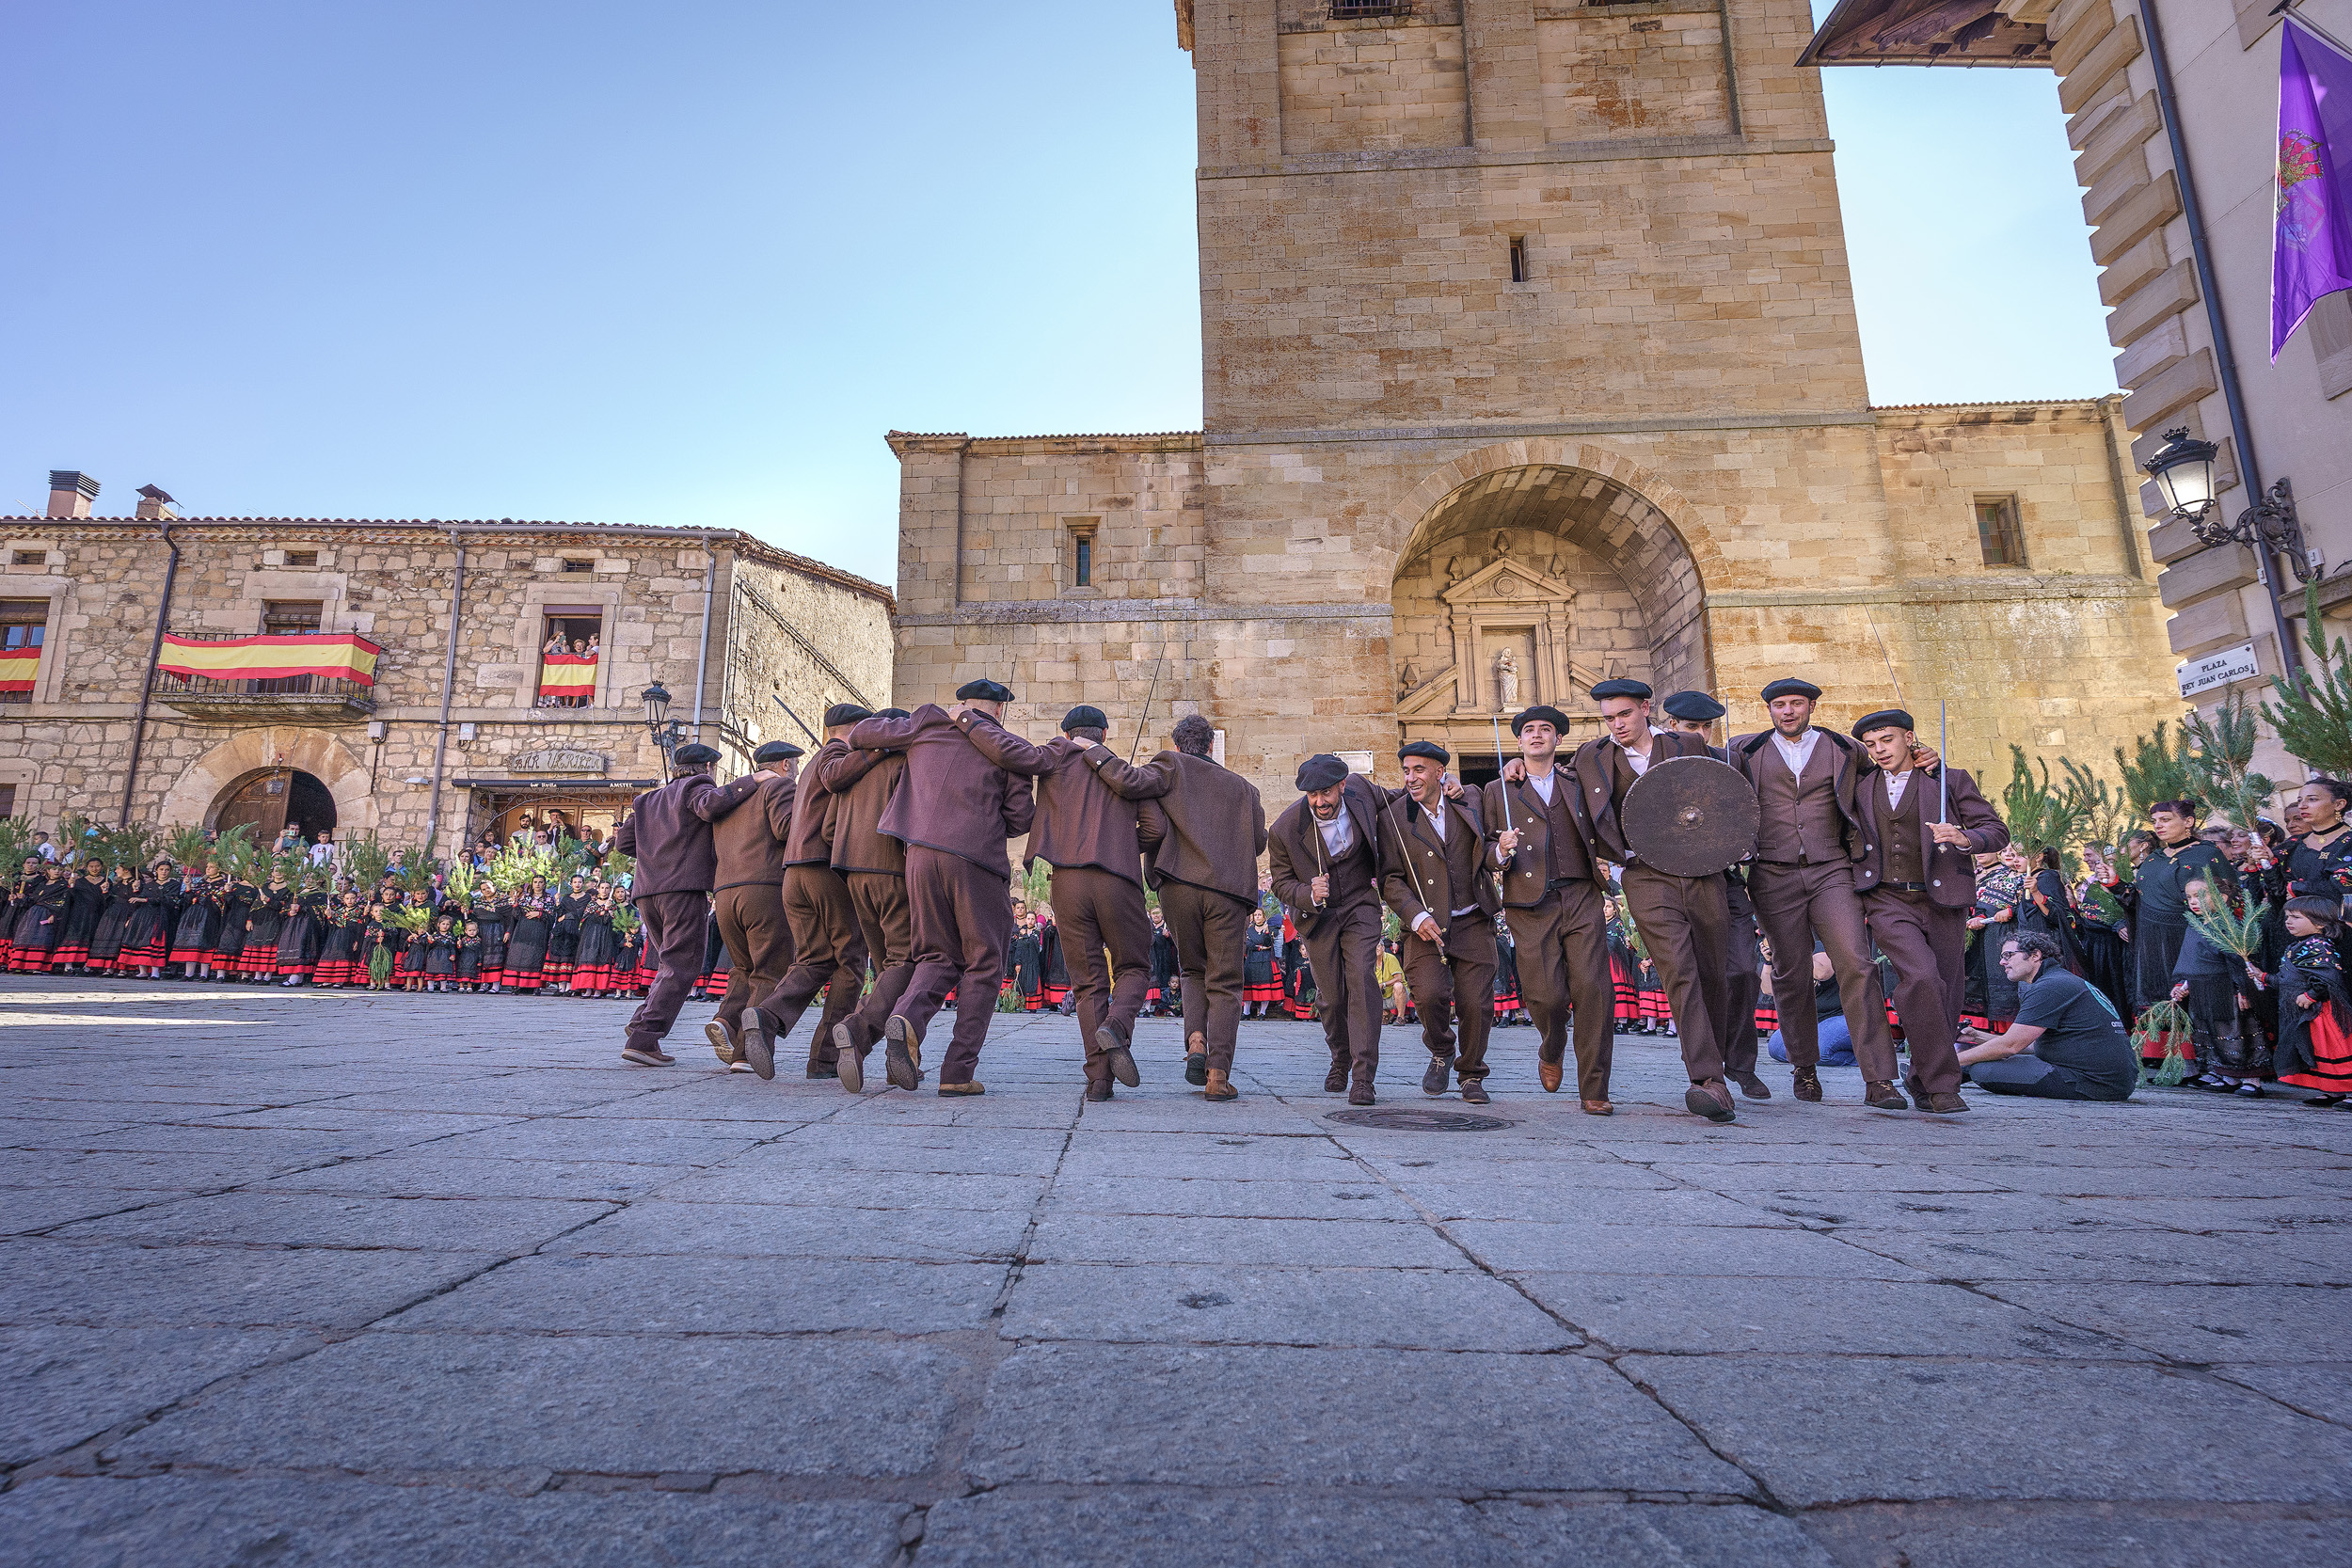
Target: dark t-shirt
{"points": [[2081, 1032]]}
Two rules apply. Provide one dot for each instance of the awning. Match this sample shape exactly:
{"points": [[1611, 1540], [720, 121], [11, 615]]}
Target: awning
{"points": [[580, 785], [337, 655]]}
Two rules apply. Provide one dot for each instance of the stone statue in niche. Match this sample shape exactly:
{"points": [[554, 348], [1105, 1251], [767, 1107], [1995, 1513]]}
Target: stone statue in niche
{"points": [[1506, 668]]}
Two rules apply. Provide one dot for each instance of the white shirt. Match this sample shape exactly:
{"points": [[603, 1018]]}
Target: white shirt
{"points": [[322, 854], [1339, 837], [1542, 783], [1436, 819], [1636, 760], [1797, 753], [1895, 785]]}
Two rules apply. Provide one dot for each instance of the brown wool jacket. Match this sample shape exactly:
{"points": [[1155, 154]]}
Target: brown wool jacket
{"points": [[861, 784], [1418, 873], [953, 799], [1951, 872], [750, 840], [1294, 849], [1598, 771], [813, 816], [1507, 805], [668, 830], [1210, 827], [1086, 798]]}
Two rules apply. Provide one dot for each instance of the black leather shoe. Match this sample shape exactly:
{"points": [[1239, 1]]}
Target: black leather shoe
{"points": [[1334, 1082], [1473, 1092], [1440, 1074], [1197, 1061], [1116, 1055]]}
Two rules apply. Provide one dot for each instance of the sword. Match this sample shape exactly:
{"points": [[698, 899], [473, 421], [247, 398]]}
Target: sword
{"points": [[1943, 763], [796, 718], [1149, 694], [1406, 847], [1496, 719]]}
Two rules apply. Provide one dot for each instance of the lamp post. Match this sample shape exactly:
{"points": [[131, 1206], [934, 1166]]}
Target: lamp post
{"points": [[2182, 469], [667, 733]]}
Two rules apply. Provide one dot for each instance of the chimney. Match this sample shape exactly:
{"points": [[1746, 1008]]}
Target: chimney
{"points": [[70, 494], [155, 504]]}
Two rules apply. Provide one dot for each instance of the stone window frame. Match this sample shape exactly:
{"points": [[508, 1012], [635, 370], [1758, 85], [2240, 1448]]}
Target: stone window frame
{"points": [[264, 584], [22, 775], [1074, 531], [2013, 529], [15, 584], [530, 631]]}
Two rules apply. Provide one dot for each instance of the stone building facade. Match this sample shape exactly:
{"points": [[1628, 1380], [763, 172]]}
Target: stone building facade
{"points": [[419, 752], [1530, 349], [2191, 332]]}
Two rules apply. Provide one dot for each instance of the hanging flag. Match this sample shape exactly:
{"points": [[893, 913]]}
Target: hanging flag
{"points": [[2312, 244], [568, 675], [18, 668], [337, 655]]}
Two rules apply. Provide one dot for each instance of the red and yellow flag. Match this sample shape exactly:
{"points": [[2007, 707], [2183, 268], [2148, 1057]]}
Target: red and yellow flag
{"points": [[568, 675], [18, 666], [338, 654]]}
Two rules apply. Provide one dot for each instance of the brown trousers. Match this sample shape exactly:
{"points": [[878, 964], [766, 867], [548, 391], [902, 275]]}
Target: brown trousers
{"points": [[1743, 983], [1207, 928], [1685, 923], [1563, 974], [1345, 951], [759, 945], [887, 925], [1094, 910], [1794, 904], [676, 929], [1929, 944], [1453, 983], [963, 919], [828, 954]]}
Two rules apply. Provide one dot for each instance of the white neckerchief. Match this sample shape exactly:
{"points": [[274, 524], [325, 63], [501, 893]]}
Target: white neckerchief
{"points": [[1798, 752], [1895, 783], [1339, 838]]}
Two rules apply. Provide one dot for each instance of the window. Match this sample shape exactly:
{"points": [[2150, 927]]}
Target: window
{"points": [[1997, 533], [7, 800], [570, 565], [570, 645], [23, 624], [302, 558], [29, 557], [288, 618], [1082, 564], [1518, 258]]}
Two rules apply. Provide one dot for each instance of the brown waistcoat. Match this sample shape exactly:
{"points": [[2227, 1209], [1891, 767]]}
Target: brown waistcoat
{"points": [[1801, 821]]}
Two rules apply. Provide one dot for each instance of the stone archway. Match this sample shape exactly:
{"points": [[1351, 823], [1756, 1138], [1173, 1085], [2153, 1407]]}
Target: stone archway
{"points": [[211, 780], [1546, 558]]}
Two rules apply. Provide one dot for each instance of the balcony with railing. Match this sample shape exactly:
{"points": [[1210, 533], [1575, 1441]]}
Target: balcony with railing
{"points": [[316, 698]]}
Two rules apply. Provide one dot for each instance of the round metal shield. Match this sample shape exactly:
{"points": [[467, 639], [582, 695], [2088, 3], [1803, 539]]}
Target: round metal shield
{"points": [[1691, 817]]}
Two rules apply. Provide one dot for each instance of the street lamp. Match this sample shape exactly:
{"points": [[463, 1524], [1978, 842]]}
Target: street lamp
{"points": [[666, 732], [2182, 471]]}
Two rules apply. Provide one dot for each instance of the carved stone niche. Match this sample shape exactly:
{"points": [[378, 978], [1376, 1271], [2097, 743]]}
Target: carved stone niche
{"points": [[1508, 605]]}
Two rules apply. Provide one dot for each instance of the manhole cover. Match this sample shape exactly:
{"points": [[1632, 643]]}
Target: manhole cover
{"points": [[1407, 1118]]}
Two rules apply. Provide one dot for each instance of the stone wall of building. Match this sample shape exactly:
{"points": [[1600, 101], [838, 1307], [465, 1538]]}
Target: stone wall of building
{"points": [[811, 632]]}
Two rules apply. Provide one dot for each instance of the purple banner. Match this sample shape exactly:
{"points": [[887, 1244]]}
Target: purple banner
{"points": [[2312, 246]]}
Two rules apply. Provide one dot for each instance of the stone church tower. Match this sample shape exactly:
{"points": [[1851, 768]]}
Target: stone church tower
{"points": [[1530, 359]]}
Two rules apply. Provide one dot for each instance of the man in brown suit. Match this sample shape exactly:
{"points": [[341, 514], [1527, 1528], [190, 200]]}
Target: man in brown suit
{"points": [[1324, 856], [828, 948], [668, 830], [1921, 827], [1553, 901], [1086, 830], [953, 811], [749, 901], [1207, 833], [1694, 713], [874, 866], [1803, 887], [1438, 878], [1684, 921]]}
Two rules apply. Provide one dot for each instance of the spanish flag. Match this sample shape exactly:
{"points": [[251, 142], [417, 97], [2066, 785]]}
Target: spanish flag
{"points": [[18, 666], [337, 655], [568, 675]]}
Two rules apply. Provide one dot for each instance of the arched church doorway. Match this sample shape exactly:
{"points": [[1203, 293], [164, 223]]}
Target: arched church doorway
{"points": [[1530, 584], [271, 798]]}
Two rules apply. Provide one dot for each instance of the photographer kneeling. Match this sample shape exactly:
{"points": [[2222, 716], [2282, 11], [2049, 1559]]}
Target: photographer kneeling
{"points": [[2067, 1042]]}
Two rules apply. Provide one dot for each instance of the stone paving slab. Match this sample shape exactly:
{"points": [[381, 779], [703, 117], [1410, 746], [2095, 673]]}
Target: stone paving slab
{"points": [[468, 1291]]}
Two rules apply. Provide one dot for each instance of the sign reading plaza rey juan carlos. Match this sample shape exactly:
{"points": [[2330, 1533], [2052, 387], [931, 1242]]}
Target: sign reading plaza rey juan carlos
{"points": [[2230, 664]]}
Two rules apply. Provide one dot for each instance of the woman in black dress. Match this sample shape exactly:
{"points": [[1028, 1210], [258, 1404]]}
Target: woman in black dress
{"points": [[2319, 865], [1261, 989], [299, 937], [236, 910], [598, 950], [492, 914], [527, 943], [105, 943], [84, 903], [146, 931], [39, 921], [259, 962], [571, 906], [2155, 898], [196, 936]]}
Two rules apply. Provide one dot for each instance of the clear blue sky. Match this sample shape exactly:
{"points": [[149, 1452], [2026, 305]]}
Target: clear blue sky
{"points": [[686, 264]]}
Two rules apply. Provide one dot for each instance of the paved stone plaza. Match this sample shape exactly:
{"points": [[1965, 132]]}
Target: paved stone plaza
{"points": [[301, 1277]]}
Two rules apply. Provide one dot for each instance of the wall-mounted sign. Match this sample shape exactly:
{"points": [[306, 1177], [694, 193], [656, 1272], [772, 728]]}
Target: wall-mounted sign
{"points": [[558, 760], [2214, 669]]}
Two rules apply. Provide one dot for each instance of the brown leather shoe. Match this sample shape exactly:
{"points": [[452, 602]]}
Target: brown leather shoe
{"points": [[1750, 1085], [1196, 1059], [1220, 1086], [973, 1088], [1808, 1082], [1334, 1082], [1359, 1095], [1547, 1074], [1942, 1104], [1600, 1108], [1881, 1093], [1098, 1090], [721, 1039], [1711, 1100]]}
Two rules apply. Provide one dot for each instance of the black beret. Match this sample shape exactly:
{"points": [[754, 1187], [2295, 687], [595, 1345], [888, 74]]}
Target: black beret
{"points": [[1321, 771], [777, 751], [892, 713], [1638, 691], [1429, 749], [846, 712], [1788, 686], [982, 691], [1541, 713], [695, 755], [1084, 717], [1881, 719], [1696, 707]]}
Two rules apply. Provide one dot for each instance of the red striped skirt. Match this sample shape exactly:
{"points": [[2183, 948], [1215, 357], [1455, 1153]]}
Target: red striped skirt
{"points": [[2332, 1057], [1270, 991]]}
